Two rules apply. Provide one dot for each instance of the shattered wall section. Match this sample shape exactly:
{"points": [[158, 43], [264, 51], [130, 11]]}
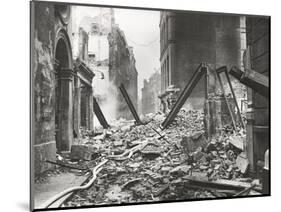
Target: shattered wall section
{"points": [[43, 75], [49, 22], [150, 91], [122, 70]]}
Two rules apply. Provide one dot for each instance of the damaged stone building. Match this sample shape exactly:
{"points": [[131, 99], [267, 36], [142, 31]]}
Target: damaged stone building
{"points": [[61, 84], [112, 60], [258, 112], [122, 69], [201, 146], [63, 67], [151, 89], [187, 39]]}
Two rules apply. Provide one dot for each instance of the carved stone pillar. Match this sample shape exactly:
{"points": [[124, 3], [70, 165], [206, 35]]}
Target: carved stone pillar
{"points": [[90, 110], [172, 46], [66, 110], [77, 106]]}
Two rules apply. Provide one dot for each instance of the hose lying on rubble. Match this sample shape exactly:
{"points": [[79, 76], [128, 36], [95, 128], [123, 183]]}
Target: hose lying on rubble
{"points": [[95, 171], [129, 152]]}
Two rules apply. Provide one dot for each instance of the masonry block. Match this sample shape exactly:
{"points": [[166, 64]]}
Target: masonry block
{"points": [[43, 152]]}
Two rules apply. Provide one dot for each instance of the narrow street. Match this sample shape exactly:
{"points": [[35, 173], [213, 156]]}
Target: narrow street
{"points": [[144, 167], [139, 106]]}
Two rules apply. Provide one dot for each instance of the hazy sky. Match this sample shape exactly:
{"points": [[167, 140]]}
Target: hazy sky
{"points": [[141, 28]]}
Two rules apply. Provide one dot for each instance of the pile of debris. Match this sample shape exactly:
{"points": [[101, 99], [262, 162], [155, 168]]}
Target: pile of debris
{"points": [[149, 164]]}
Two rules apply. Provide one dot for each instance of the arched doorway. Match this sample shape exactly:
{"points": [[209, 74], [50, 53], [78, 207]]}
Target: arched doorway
{"points": [[64, 102]]}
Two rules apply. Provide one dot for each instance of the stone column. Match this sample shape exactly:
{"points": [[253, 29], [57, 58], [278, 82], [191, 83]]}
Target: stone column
{"points": [[66, 110], [250, 145], [172, 46], [90, 110], [77, 105]]}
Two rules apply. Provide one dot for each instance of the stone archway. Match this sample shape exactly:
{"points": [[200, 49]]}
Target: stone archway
{"points": [[64, 101]]}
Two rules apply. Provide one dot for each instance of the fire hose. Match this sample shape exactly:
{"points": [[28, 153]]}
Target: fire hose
{"points": [[95, 171], [129, 152]]}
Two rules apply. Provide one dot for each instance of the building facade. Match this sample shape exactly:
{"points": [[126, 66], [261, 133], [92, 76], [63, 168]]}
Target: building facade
{"points": [[57, 80], [150, 102], [100, 27], [122, 69], [258, 112], [186, 40]]}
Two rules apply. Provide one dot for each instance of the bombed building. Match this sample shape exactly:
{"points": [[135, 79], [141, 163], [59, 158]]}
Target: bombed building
{"points": [[122, 69], [98, 26], [189, 39], [204, 127], [150, 92], [257, 57], [220, 41], [62, 98]]}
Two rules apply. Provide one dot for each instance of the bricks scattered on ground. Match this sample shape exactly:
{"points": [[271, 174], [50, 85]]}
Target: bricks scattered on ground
{"points": [[161, 170]]}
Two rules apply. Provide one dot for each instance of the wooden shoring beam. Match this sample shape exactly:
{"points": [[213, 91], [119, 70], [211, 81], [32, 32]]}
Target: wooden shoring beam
{"points": [[129, 103], [224, 95], [202, 69], [99, 114], [252, 79], [223, 69]]}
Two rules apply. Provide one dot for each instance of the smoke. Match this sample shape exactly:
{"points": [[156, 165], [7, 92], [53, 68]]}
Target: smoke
{"points": [[109, 106], [194, 103], [106, 95]]}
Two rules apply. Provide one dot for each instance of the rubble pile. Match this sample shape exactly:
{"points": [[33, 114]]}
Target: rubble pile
{"points": [[149, 164]]}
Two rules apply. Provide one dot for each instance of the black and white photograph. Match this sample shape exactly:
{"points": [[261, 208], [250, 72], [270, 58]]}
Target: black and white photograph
{"points": [[137, 105]]}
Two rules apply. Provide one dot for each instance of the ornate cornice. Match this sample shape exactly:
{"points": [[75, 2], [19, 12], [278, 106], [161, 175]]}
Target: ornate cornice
{"points": [[84, 72]]}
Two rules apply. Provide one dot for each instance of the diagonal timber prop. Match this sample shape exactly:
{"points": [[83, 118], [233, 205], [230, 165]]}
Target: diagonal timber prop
{"points": [[100, 115], [130, 104], [224, 70], [200, 71]]}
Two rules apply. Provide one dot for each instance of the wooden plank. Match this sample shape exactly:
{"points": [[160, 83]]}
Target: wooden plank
{"points": [[99, 114], [219, 184], [235, 100], [252, 79], [129, 103], [200, 71], [226, 100], [257, 81]]}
